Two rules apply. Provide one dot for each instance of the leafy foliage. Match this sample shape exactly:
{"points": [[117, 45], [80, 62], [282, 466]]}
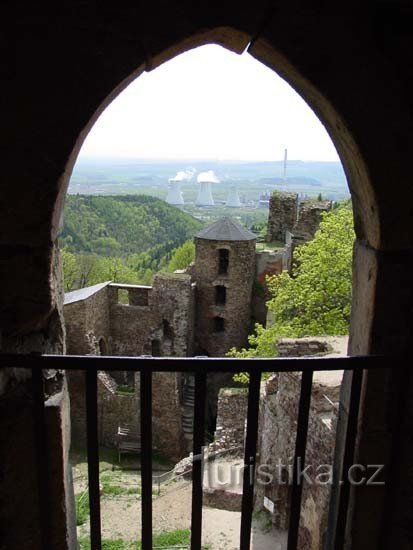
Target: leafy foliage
{"points": [[124, 239], [315, 299], [182, 256], [82, 508], [123, 225]]}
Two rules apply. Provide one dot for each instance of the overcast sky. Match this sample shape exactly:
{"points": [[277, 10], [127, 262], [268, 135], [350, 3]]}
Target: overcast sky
{"points": [[209, 103]]}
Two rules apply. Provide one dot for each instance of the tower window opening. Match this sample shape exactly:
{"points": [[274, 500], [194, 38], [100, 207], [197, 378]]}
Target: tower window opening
{"points": [[102, 347], [123, 296], [219, 324], [155, 348], [167, 330], [220, 295], [223, 261]]}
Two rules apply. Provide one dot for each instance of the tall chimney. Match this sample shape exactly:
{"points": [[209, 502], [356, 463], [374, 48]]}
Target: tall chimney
{"points": [[285, 165]]}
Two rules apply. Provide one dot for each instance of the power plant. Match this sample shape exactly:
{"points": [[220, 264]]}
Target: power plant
{"points": [[174, 195], [205, 180], [204, 196], [233, 200]]}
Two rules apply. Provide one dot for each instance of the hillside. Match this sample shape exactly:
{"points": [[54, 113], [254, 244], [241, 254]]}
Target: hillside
{"points": [[125, 239], [124, 225]]}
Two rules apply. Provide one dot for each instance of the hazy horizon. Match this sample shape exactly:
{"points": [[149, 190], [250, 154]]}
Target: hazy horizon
{"points": [[197, 159]]}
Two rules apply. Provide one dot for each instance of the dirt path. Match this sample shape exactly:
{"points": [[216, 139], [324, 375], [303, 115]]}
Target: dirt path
{"points": [[172, 510]]}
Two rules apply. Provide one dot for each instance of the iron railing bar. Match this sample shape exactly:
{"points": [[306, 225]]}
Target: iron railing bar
{"points": [[186, 364], [299, 458], [42, 455], [250, 455], [146, 457], [93, 458], [197, 464], [349, 450]]}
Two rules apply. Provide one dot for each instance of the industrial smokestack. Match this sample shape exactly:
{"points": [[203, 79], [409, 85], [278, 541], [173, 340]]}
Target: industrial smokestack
{"points": [[285, 165], [233, 198], [174, 195]]}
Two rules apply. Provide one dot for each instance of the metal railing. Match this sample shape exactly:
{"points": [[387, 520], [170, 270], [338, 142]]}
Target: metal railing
{"points": [[201, 368]]}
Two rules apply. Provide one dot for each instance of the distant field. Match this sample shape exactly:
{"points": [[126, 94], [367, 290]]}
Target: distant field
{"points": [[123, 177]]}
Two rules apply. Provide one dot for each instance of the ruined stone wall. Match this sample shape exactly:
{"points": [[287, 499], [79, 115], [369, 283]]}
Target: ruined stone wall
{"points": [[238, 282], [163, 313], [167, 431], [302, 347], [287, 214], [309, 217], [277, 429], [54, 104], [282, 215], [231, 417], [131, 327], [87, 321], [75, 322], [114, 409]]}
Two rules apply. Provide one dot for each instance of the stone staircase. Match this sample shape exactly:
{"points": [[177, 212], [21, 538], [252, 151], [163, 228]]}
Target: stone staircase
{"points": [[188, 401]]}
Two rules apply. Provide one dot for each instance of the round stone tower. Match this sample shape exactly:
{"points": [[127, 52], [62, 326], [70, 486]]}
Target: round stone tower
{"points": [[224, 275]]}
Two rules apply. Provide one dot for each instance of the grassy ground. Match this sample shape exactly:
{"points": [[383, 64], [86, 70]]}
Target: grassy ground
{"points": [[113, 483], [276, 245], [108, 460], [168, 539]]}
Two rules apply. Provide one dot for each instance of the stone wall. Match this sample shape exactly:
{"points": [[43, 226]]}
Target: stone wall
{"points": [[302, 347], [117, 408], [231, 418], [114, 409], [20, 506], [288, 214], [167, 430], [161, 314], [309, 217], [268, 263], [87, 321], [282, 215], [54, 105], [238, 283], [277, 428]]}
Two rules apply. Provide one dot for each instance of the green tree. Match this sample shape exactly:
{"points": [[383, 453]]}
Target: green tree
{"points": [[87, 265], [113, 269], [315, 298], [70, 270], [182, 256]]}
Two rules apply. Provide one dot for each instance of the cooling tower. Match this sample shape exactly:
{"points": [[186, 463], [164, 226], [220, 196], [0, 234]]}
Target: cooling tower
{"points": [[233, 198], [204, 197], [174, 195]]}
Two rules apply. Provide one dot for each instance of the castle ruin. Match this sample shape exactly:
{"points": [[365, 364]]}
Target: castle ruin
{"points": [[204, 311]]}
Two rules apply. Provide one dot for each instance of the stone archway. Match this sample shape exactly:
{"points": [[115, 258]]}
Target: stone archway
{"points": [[347, 64]]}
